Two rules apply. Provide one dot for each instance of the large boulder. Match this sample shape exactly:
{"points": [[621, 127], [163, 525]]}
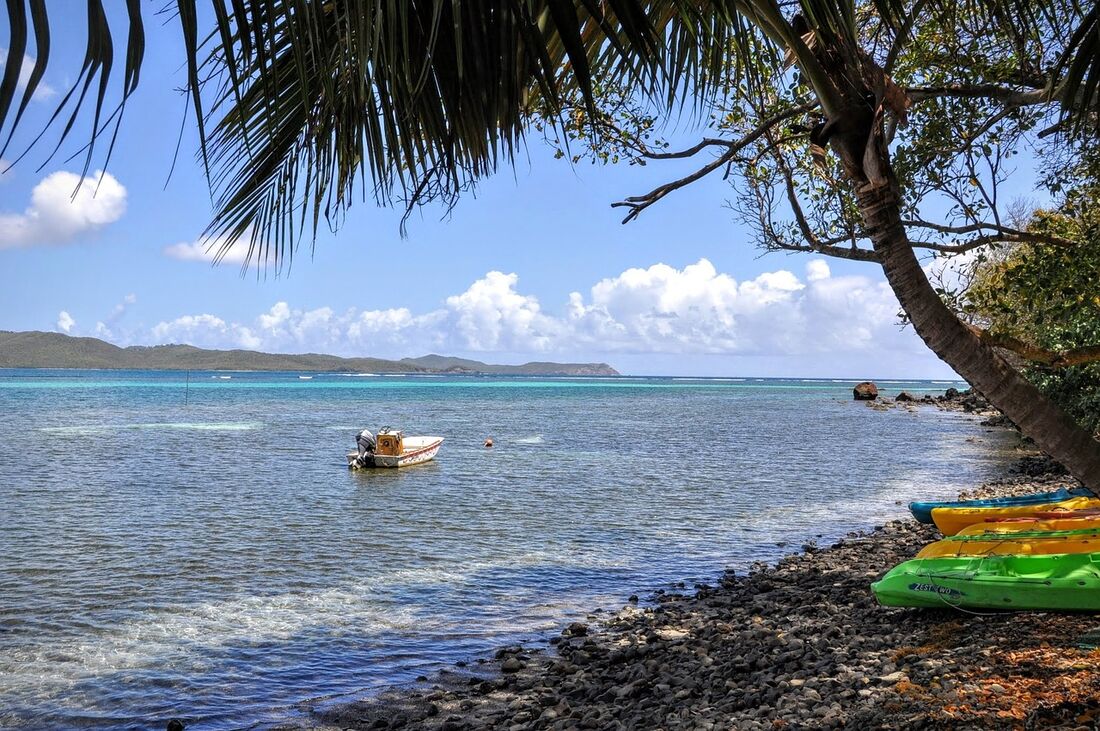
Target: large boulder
{"points": [[865, 391], [905, 396]]}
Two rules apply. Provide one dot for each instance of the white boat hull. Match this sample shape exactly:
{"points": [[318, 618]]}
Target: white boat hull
{"points": [[418, 450]]}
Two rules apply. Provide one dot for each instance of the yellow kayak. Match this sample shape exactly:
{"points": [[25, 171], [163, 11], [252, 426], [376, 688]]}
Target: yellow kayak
{"points": [[952, 520], [1028, 544], [1030, 525]]}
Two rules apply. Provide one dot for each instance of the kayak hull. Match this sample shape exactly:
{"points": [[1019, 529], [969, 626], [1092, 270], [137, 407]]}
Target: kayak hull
{"points": [[952, 520], [1020, 544], [922, 511], [1062, 582], [1031, 525]]}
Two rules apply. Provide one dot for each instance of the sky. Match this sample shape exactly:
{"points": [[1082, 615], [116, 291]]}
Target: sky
{"points": [[534, 266]]}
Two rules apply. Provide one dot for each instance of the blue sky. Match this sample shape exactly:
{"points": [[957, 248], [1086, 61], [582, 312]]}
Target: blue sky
{"points": [[535, 266]]}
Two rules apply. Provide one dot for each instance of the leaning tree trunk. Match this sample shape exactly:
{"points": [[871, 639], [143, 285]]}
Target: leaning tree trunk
{"points": [[1037, 416]]}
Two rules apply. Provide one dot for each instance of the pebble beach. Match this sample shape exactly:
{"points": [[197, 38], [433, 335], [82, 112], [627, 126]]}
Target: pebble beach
{"points": [[797, 644]]}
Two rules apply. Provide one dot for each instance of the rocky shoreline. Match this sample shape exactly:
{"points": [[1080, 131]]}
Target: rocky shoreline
{"points": [[798, 644]]}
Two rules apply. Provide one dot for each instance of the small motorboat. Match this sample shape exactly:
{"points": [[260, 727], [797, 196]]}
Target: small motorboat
{"points": [[391, 448]]}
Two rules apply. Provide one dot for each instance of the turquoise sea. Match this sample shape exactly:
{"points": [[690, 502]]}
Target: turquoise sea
{"points": [[192, 545]]}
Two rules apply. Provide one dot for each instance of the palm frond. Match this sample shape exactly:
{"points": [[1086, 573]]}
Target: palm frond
{"points": [[303, 107], [1079, 69]]}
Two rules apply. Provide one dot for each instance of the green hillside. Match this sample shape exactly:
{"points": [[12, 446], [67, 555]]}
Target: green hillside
{"points": [[55, 350]]}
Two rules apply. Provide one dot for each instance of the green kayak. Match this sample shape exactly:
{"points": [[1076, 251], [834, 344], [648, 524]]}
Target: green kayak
{"points": [[1058, 582]]}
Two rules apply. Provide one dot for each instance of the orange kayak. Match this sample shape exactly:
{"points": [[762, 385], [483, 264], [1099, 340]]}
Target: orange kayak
{"points": [[1030, 525], [1082, 513], [952, 520], [1015, 544]]}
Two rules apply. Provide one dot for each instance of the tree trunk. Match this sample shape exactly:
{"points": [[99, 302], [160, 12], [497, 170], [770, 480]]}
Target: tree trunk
{"points": [[1052, 429]]}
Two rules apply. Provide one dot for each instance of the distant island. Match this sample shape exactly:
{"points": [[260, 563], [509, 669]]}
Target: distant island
{"points": [[55, 350]]}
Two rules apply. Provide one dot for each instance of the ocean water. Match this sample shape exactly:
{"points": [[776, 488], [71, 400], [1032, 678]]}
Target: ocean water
{"points": [[192, 545]]}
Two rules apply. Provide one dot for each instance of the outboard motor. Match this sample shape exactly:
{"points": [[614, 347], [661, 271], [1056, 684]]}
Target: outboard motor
{"points": [[366, 443]]}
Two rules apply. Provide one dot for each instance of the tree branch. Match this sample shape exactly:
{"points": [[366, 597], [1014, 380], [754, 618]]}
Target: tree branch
{"points": [[1006, 234], [639, 203], [840, 252], [691, 151], [814, 243], [1053, 358], [1007, 94], [902, 36]]}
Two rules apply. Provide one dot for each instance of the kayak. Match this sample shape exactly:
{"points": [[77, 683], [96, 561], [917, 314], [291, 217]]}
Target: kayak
{"points": [[1083, 513], [952, 520], [922, 511], [1023, 543], [1036, 524], [1062, 582]]}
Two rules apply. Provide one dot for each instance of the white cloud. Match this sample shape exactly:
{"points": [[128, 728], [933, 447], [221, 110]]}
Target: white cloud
{"points": [[817, 269], [106, 328], [492, 316], [952, 272], [65, 321], [62, 208], [207, 250], [43, 91], [205, 331], [121, 307], [655, 310]]}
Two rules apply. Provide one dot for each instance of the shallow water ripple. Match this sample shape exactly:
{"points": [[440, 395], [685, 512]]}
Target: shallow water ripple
{"points": [[193, 546]]}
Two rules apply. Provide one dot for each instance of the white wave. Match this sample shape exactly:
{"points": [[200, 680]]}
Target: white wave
{"points": [[201, 426], [189, 426], [306, 378], [81, 430], [534, 439], [183, 634]]}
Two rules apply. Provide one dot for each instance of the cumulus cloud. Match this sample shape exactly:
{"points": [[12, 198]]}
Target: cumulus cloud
{"points": [[63, 207], [65, 321], [656, 310], [106, 328], [121, 307], [207, 250], [492, 316], [206, 331], [43, 91], [817, 269], [952, 272]]}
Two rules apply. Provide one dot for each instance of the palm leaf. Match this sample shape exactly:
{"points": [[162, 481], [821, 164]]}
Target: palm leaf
{"points": [[304, 106]]}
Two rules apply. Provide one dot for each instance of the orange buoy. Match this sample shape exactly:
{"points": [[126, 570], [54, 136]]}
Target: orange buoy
{"points": [[489, 442]]}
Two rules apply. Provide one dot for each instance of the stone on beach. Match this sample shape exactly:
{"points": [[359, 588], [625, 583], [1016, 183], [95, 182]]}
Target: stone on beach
{"points": [[865, 391], [798, 644]]}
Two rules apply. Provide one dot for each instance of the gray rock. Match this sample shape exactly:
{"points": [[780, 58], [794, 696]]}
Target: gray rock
{"points": [[512, 665]]}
